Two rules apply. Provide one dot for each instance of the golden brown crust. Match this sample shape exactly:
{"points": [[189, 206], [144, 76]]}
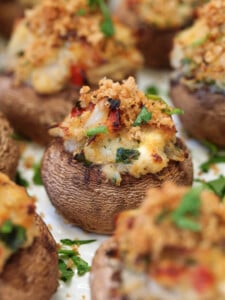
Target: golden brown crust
{"points": [[32, 273], [31, 114], [104, 278], [78, 192], [204, 112], [9, 152]]}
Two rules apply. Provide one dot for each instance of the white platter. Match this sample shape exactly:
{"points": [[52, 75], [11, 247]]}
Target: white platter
{"points": [[78, 288]]}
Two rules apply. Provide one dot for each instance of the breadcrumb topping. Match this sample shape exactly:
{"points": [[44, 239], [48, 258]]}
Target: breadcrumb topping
{"points": [[164, 13], [199, 52], [120, 128], [17, 208], [61, 42]]}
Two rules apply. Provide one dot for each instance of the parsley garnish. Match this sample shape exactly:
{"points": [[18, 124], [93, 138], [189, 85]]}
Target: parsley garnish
{"points": [[96, 130], [215, 156], [143, 117], [37, 174], [107, 26], [126, 156], [69, 242], [183, 216], [13, 236], [216, 185], [173, 111], [20, 180], [152, 90], [67, 254]]}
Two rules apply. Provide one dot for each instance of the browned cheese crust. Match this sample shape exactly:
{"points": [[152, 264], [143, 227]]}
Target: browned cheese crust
{"points": [[9, 12], [9, 152], [84, 198], [204, 112], [32, 273], [105, 274], [154, 43], [30, 113]]}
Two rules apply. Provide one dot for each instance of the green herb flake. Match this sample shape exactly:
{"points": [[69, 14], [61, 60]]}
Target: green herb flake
{"points": [[126, 156], [97, 130], [81, 265], [12, 235], [189, 208], [186, 61], [66, 273], [69, 242], [81, 12], [152, 90], [215, 159], [143, 117], [217, 186], [162, 216], [199, 42], [37, 174], [20, 180], [173, 111]]}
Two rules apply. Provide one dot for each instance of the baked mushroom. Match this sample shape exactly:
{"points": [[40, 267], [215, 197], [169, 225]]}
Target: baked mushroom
{"points": [[113, 145], [155, 24], [9, 152], [172, 247], [198, 83], [54, 50], [28, 256]]}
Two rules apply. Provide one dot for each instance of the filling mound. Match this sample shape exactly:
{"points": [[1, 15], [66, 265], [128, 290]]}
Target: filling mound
{"points": [[164, 14], [69, 42], [17, 224], [173, 246], [199, 51], [120, 128]]}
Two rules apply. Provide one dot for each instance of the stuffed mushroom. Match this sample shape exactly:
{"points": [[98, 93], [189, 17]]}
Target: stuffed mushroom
{"points": [[9, 152], [198, 83], [155, 24], [59, 46], [28, 256], [114, 144], [171, 248]]}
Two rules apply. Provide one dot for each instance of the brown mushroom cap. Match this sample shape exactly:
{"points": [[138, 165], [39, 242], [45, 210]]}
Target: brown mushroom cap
{"points": [[9, 152], [204, 112], [82, 195], [104, 277], [32, 273], [30, 113]]}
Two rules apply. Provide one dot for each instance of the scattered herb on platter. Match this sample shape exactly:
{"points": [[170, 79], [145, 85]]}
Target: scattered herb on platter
{"points": [[20, 180], [107, 26], [69, 259], [143, 117], [217, 186], [126, 156], [37, 174], [152, 90], [215, 156], [12, 235]]}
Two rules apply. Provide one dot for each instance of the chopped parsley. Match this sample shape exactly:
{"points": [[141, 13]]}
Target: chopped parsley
{"points": [[152, 90], [215, 157], [107, 26], [96, 130], [185, 214], [69, 259], [126, 156], [173, 111], [37, 174], [81, 12], [143, 117], [20, 180], [12, 235], [216, 185]]}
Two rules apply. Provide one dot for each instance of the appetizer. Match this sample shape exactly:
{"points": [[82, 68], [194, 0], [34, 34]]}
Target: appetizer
{"points": [[28, 256], [114, 144], [198, 85], [59, 46], [171, 248], [155, 23], [9, 152]]}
